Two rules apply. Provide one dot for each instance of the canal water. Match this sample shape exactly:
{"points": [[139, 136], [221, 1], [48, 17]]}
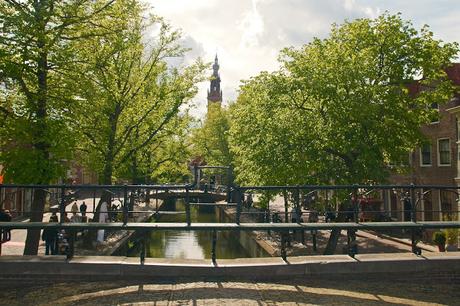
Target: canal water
{"points": [[197, 244]]}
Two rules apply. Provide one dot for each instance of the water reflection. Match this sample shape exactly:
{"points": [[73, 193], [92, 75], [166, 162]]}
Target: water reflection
{"points": [[197, 244]]}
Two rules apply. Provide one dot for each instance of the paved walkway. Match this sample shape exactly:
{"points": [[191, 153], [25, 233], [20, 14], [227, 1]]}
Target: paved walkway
{"points": [[18, 237], [291, 292]]}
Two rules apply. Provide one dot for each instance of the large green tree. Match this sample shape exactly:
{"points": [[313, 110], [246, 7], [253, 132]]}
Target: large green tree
{"points": [[38, 41], [133, 95], [340, 108]]}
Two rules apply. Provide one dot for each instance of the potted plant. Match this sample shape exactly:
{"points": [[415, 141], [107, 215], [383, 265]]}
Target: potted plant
{"points": [[439, 238], [452, 239]]}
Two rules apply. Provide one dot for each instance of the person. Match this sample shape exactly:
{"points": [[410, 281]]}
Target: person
{"points": [[103, 218], [74, 208], [83, 208], [49, 235], [249, 200], [5, 216]]}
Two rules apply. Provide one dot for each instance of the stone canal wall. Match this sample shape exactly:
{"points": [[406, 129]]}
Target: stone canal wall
{"points": [[247, 238]]}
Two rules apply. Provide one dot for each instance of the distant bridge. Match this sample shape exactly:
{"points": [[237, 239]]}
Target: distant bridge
{"points": [[192, 194]]}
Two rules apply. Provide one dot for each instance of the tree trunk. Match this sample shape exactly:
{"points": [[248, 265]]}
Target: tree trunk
{"points": [[286, 206], [40, 138], [335, 233], [33, 235]]}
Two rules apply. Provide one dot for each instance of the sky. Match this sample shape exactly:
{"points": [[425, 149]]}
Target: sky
{"points": [[247, 35]]}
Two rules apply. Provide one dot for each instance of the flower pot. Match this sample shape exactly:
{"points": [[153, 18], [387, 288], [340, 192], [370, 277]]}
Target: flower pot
{"points": [[441, 247], [452, 248]]}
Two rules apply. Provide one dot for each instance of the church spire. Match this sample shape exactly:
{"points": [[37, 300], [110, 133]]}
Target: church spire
{"points": [[214, 91]]}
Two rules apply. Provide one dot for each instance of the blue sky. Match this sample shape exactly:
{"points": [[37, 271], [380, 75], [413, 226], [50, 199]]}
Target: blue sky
{"points": [[248, 34]]}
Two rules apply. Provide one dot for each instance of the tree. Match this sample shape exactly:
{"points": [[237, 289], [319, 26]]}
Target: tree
{"points": [[342, 103], [163, 161], [132, 96], [38, 40], [210, 141]]}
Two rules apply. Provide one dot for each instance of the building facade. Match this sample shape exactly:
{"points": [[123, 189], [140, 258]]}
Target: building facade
{"points": [[434, 163]]}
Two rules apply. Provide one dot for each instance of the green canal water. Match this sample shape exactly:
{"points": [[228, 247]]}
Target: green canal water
{"points": [[197, 244]]}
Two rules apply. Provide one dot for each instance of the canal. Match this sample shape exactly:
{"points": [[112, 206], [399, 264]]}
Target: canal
{"points": [[197, 244]]}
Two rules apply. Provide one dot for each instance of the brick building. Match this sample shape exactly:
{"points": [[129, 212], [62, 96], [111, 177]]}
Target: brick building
{"points": [[434, 163]]}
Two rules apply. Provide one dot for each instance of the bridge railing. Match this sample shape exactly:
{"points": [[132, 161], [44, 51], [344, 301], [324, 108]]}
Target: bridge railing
{"points": [[127, 195], [282, 228]]}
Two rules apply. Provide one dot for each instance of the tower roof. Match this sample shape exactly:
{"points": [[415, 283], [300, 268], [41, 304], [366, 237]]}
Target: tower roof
{"points": [[214, 92]]}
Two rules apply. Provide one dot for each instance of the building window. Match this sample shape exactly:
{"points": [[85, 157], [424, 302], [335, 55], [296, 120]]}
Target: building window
{"points": [[425, 155], [444, 152]]}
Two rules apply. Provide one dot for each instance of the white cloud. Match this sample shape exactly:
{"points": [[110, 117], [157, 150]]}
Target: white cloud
{"points": [[247, 35], [252, 26]]}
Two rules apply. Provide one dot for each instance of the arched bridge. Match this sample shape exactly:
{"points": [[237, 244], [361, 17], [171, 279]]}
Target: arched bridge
{"points": [[212, 196]]}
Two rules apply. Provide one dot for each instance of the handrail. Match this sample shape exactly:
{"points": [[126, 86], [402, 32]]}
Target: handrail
{"points": [[233, 226], [185, 186]]}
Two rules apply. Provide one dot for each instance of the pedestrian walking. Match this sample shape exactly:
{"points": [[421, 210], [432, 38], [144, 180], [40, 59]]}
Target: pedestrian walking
{"points": [[74, 208], [83, 208]]}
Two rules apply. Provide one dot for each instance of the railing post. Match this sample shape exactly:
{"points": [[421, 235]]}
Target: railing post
{"points": [[416, 250], [187, 207], [213, 249], [229, 184], [351, 242], [125, 204], [283, 245], [143, 248], [355, 205], [238, 204], [62, 205], [195, 175], [412, 204], [313, 237], [71, 250], [297, 204]]}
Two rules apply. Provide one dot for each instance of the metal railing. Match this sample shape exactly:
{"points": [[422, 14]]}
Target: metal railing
{"points": [[236, 194]]}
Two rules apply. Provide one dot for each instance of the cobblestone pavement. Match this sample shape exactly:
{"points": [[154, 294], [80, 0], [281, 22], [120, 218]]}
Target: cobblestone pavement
{"points": [[290, 292]]}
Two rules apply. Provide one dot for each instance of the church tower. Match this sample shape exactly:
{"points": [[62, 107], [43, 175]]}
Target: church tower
{"points": [[214, 92]]}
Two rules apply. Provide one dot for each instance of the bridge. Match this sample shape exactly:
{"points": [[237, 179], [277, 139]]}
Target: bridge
{"points": [[215, 266], [203, 196]]}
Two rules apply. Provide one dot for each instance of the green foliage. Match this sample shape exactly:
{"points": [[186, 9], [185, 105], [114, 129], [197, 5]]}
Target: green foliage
{"points": [[340, 108], [210, 141], [133, 97], [38, 40]]}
